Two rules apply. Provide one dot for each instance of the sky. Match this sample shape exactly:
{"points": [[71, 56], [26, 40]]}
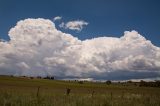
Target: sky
{"points": [[105, 17], [98, 39]]}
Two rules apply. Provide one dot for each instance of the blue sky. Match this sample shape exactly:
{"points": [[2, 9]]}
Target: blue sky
{"points": [[105, 17]]}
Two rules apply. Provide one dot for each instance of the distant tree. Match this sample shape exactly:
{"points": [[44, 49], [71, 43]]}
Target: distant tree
{"points": [[52, 77], [108, 82], [11, 76], [31, 77], [49, 77], [157, 83], [142, 83], [39, 77], [129, 81], [80, 82]]}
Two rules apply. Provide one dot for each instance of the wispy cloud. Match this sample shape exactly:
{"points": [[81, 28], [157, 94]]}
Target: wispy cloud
{"points": [[57, 18], [76, 25]]}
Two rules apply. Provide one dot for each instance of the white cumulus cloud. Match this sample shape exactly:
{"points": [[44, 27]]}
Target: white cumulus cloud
{"points": [[37, 48], [77, 25]]}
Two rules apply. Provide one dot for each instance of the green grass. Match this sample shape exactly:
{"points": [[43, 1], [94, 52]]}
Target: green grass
{"points": [[16, 91]]}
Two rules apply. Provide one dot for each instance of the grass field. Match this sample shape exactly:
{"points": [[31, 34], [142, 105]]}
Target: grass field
{"points": [[16, 91]]}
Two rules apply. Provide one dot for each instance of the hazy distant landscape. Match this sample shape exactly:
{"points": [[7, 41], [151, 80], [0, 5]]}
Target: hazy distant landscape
{"points": [[23, 91]]}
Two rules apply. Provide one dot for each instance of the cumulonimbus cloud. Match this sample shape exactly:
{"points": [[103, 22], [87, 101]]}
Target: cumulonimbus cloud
{"points": [[37, 48], [76, 25]]}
